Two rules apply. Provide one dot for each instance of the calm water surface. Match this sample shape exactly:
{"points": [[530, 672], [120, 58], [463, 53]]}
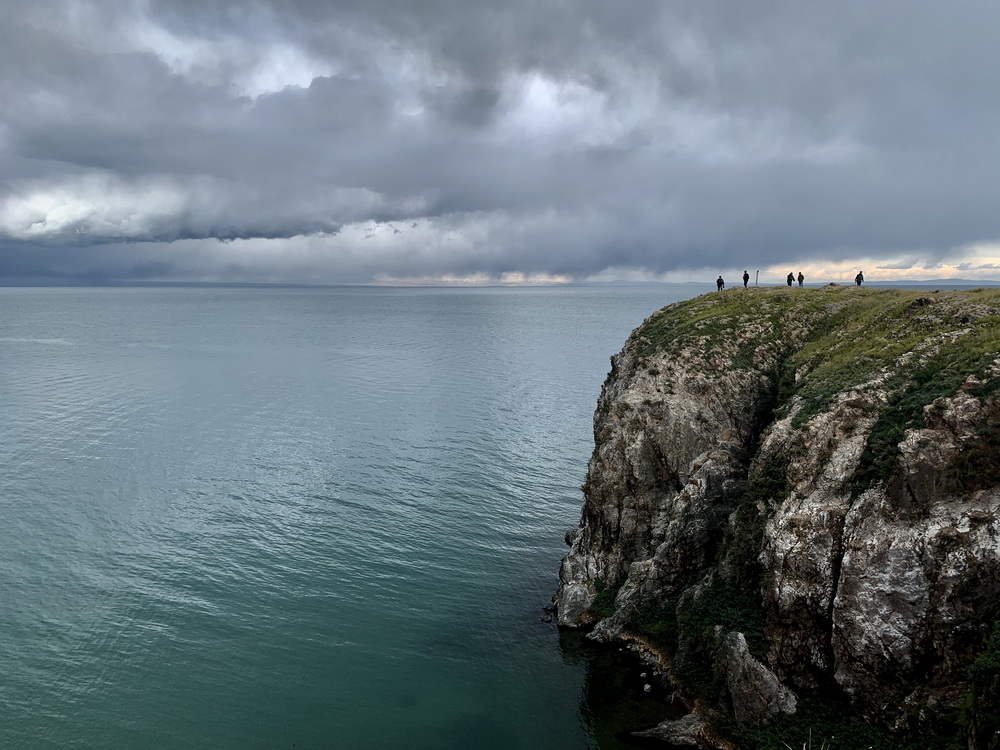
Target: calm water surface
{"points": [[311, 518]]}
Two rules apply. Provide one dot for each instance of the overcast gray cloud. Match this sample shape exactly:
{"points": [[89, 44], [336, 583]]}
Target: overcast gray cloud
{"points": [[353, 140]]}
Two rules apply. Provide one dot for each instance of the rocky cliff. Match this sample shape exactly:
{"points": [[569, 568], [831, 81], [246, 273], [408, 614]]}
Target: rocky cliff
{"points": [[793, 505]]}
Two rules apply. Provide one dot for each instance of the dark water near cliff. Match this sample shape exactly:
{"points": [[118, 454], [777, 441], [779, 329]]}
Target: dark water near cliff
{"points": [[311, 518]]}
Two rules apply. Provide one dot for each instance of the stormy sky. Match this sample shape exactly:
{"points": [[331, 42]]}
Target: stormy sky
{"points": [[401, 141]]}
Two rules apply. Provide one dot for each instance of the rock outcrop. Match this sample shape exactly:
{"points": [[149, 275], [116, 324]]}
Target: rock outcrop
{"points": [[795, 496]]}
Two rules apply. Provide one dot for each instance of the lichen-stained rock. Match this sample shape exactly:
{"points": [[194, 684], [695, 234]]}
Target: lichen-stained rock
{"points": [[803, 541], [874, 582], [758, 695], [685, 534], [911, 598], [821, 465]]}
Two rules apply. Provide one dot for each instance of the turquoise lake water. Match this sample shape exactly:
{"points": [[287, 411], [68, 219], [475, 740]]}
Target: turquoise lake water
{"points": [[300, 517]]}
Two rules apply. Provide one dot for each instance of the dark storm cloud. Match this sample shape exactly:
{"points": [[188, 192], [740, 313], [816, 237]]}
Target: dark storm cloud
{"points": [[391, 139]]}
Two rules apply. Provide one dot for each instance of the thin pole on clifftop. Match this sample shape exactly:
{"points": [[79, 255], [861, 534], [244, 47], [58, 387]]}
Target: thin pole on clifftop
{"points": [[756, 277]]}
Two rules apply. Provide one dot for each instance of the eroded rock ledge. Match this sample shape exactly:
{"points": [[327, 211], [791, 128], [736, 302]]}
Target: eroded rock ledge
{"points": [[794, 496]]}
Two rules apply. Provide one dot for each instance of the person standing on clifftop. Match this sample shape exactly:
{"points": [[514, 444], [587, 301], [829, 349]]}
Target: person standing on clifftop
{"points": [[791, 278], [720, 284], [801, 278], [746, 278], [859, 278]]}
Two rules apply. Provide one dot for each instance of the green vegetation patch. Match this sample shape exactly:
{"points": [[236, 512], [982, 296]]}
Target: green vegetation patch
{"points": [[976, 466], [981, 712], [740, 319], [687, 630], [852, 346], [727, 604], [841, 338], [828, 723], [733, 601], [867, 337], [767, 485], [658, 624], [604, 602], [941, 376]]}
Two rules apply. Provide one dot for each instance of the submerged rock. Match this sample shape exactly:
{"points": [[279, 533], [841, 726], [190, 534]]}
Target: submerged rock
{"points": [[797, 492]]}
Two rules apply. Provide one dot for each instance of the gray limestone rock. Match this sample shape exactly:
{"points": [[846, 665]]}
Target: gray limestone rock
{"points": [[757, 694]]}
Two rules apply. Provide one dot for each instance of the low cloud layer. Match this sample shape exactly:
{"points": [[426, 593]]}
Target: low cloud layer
{"points": [[386, 140]]}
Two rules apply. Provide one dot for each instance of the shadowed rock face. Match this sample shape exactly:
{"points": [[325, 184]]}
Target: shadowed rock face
{"points": [[830, 456]]}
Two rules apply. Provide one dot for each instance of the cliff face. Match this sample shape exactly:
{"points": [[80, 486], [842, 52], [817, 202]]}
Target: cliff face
{"points": [[794, 496]]}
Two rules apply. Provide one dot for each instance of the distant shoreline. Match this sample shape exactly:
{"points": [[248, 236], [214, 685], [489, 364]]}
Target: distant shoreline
{"points": [[708, 283]]}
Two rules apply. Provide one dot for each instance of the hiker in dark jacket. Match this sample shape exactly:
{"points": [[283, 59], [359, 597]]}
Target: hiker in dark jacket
{"points": [[801, 278], [720, 284], [859, 278], [746, 278], [791, 278]]}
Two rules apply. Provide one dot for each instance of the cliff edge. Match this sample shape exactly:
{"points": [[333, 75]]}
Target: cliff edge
{"points": [[794, 505]]}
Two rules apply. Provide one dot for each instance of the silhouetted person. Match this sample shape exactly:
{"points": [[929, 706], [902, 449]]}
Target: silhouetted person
{"points": [[720, 284], [801, 278], [790, 278], [746, 278], [859, 278]]}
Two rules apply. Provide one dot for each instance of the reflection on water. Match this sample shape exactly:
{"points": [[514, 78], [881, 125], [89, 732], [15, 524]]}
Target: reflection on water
{"points": [[614, 702], [245, 519]]}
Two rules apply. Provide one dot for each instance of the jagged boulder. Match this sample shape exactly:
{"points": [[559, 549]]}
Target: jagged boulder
{"points": [[758, 695]]}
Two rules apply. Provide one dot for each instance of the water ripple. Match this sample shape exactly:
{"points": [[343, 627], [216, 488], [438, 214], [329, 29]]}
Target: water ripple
{"points": [[247, 518]]}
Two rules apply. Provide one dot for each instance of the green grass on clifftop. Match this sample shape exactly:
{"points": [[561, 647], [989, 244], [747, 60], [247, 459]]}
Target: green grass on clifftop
{"points": [[913, 346], [746, 317]]}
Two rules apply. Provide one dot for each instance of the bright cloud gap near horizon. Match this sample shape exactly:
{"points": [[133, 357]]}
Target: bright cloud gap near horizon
{"points": [[465, 143]]}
